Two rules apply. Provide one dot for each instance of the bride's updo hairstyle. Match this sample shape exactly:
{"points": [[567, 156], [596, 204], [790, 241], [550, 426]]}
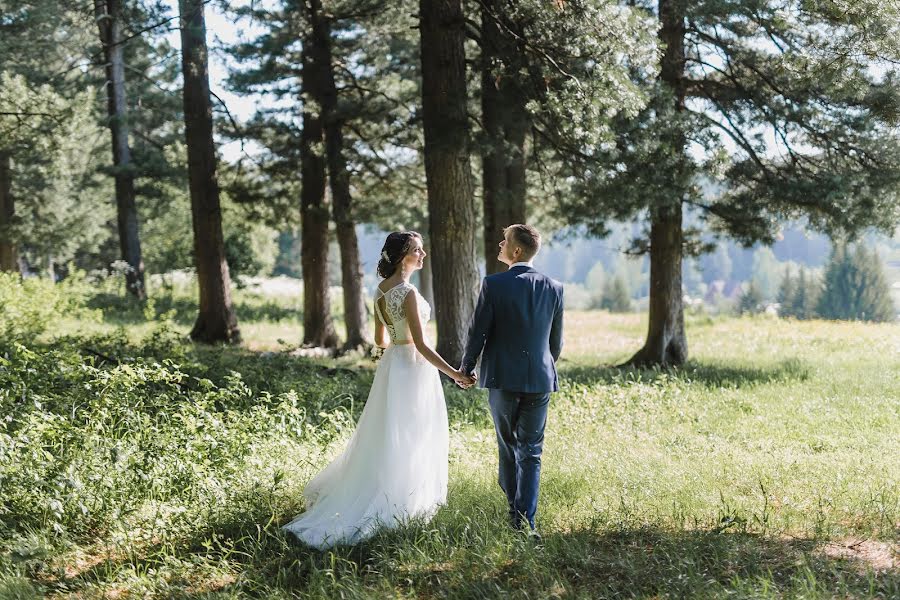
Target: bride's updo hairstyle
{"points": [[396, 246]]}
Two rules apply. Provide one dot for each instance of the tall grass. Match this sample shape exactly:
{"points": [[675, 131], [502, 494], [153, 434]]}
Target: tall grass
{"points": [[142, 466]]}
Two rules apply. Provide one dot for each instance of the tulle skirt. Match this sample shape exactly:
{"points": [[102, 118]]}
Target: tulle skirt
{"points": [[395, 466]]}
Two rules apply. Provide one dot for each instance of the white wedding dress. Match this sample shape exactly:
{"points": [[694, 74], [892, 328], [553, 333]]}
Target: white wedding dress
{"points": [[395, 465]]}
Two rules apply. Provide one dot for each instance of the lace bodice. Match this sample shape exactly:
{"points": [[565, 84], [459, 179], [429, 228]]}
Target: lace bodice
{"points": [[396, 323]]}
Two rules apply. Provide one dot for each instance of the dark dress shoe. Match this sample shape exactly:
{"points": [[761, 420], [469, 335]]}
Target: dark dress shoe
{"points": [[534, 536]]}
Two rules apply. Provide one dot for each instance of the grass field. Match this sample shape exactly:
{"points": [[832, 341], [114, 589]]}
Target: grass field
{"points": [[135, 465]]}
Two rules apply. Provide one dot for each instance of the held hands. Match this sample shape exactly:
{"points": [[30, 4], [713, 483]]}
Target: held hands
{"points": [[463, 380]]}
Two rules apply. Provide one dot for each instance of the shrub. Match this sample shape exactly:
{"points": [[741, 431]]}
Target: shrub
{"points": [[31, 306], [93, 427]]}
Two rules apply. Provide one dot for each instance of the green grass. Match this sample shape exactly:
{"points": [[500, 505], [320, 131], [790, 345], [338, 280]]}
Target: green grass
{"points": [[135, 465]]}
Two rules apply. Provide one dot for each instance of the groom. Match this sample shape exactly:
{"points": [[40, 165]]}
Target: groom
{"points": [[517, 330]]}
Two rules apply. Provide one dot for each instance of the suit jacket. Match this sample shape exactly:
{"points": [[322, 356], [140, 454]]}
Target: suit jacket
{"points": [[517, 328]]}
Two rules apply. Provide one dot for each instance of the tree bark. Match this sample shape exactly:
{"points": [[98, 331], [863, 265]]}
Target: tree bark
{"points": [[339, 179], [666, 343], [109, 22], [9, 260], [505, 122], [318, 327], [426, 284], [216, 321], [451, 204]]}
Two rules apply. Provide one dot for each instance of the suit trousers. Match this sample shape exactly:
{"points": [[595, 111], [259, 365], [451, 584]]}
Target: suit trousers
{"points": [[519, 419]]}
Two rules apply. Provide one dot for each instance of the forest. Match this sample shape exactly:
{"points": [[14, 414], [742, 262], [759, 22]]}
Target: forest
{"points": [[193, 200]]}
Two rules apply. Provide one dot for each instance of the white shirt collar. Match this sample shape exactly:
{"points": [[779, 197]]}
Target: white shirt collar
{"points": [[521, 264]]}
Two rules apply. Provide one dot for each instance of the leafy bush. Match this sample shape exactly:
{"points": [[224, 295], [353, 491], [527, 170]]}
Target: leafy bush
{"points": [[94, 426], [31, 306]]}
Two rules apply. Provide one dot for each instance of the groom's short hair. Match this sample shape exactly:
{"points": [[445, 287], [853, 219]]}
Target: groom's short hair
{"points": [[527, 237]]}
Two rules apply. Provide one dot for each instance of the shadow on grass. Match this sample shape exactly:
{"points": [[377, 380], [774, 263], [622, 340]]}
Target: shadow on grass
{"points": [[474, 559], [125, 310], [712, 375], [266, 311], [121, 310], [651, 562], [467, 551]]}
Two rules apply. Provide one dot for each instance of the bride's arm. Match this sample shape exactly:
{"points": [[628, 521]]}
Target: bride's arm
{"points": [[381, 336], [410, 306]]}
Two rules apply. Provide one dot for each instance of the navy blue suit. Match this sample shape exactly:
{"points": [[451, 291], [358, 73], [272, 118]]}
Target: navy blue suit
{"points": [[517, 330]]}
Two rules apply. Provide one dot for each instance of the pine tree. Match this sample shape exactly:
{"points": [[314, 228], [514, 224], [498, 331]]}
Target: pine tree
{"points": [[855, 287], [159, 155], [765, 272], [334, 122], [552, 76], [786, 293], [452, 218], [803, 304], [111, 24], [596, 282], [836, 286], [318, 326], [9, 255], [216, 321], [350, 80], [60, 180], [615, 296], [734, 76], [751, 300], [875, 302], [49, 150]]}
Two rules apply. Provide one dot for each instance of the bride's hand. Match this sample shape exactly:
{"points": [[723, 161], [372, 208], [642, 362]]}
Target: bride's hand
{"points": [[463, 380]]}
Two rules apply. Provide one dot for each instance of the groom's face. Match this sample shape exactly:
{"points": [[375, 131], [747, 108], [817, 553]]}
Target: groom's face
{"points": [[509, 252]]}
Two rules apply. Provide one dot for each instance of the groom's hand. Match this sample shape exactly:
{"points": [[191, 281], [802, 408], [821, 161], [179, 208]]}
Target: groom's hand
{"points": [[471, 380]]}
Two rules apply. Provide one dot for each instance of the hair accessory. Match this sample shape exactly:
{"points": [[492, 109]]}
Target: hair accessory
{"points": [[385, 256]]}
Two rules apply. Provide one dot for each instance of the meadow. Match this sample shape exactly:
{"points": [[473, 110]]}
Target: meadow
{"points": [[134, 464]]}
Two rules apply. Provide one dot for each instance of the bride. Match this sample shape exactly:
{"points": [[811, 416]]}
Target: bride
{"points": [[395, 465]]}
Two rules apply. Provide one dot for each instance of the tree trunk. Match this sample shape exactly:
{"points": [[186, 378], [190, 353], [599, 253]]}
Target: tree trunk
{"points": [[109, 22], [666, 343], [426, 285], [339, 180], [355, 315], [8, 254], [216, 321], [318, 327], [505, 122], [451, 205]]}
